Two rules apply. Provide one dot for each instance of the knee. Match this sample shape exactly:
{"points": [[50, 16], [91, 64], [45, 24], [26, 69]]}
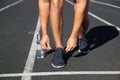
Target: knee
{"points": [[81, 1], [57, 5], [44, 3], [81, 4]]}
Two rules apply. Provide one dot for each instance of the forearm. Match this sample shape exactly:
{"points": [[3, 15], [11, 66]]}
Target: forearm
{"points": [[79, 10]]}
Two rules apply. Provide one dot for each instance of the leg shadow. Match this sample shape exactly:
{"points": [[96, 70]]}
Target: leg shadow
{"points": [[100, 35]]}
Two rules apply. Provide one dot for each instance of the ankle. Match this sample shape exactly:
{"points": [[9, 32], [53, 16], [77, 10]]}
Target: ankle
{"points": [[59, 46], [81, 36]]}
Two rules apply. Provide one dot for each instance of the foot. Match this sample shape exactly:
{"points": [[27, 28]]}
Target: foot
{"points": [[58, 61], [83, 45]]}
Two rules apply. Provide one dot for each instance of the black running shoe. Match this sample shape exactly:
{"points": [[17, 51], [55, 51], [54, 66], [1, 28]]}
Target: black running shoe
{"points": [[83, 45], [58, 61]]}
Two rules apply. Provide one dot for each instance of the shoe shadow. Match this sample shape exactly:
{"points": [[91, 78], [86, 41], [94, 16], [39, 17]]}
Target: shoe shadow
{"points": [[69, 54], [49, 52], [96, 37]]}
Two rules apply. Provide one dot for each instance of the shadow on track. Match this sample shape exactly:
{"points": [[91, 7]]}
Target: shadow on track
{"points": [[100, 35], [96, 37]]}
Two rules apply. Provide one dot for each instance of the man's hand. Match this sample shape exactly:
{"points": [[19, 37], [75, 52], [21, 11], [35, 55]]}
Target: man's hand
{"points": [[45, 42], [71, 44]]}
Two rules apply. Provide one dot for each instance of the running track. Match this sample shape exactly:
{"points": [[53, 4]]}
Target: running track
{"points": [[19, 24]]}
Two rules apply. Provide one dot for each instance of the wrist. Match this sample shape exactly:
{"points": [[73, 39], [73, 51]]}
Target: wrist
{"points": [[73, 35], [44, 33]]}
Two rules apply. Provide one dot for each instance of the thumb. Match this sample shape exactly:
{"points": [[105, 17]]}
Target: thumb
{"points": [[48, 45], [67, 48]]}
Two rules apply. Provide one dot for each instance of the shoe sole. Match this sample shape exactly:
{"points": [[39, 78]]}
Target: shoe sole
{"points": [[57, 66], [83, 52]]}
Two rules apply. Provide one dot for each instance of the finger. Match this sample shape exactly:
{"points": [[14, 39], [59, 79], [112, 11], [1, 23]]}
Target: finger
{"points": [[42, 45], [48, 45], [68, 48], [71, 48]]}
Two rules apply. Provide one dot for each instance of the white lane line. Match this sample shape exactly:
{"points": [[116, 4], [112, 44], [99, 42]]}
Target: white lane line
{"points": [[32, 54], [70, 2], [13, 4], [62, 73], [98, 18], [102, 3], [104, 21]]}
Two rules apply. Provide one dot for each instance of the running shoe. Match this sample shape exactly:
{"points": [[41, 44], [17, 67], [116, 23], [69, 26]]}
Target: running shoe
{"points": [[83, 45], [58, 59]]}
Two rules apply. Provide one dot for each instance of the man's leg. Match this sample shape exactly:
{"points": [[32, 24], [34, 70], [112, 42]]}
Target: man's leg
{"points": [[82, 41], [56, 21], [56, 25], [81, 16], [85, 24], [44, 11]]}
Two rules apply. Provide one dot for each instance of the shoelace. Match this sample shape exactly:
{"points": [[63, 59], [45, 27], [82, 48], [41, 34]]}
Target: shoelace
{"points": [[57, 54]]}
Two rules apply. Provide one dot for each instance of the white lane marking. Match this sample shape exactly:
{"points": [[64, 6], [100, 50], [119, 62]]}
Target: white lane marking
{"points": [[62, 73], [13, 4], [104, 21], [32, 54], [100, 19], [102, 3], [70, 2]]}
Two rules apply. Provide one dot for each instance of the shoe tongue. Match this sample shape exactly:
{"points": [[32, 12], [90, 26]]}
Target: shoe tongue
{"points": [[59, 49]]}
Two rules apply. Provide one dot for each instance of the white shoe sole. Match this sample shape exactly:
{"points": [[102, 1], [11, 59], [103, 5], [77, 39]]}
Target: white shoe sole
{"points": [[83, 52], [57, 66]]}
